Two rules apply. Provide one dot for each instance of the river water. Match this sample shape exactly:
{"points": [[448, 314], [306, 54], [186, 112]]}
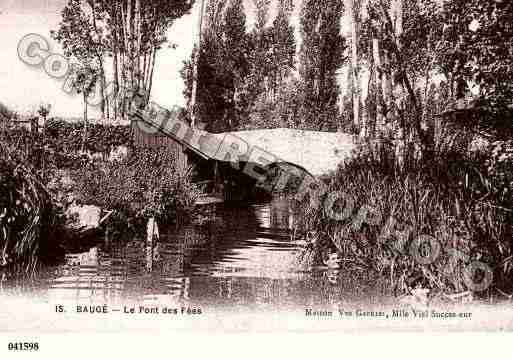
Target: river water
{"points": [[246, 257], [242, 270]]}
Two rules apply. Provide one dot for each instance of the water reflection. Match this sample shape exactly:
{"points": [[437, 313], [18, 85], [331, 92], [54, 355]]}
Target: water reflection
{"points": [[246, 256]]}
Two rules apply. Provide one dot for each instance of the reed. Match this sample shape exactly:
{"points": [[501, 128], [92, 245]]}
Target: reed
{"points": [[450, 197], [26, 213]]}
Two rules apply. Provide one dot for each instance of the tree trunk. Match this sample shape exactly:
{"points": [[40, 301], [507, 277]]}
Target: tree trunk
{"points": [[378, 86], [115, 54], [129, 47], [387, 85], [144, 71], [99, 59], [150, 82], [116, 79], [192, 109], [103, 82], [138, 46], [124, 61], [406, 85], [152, 236], [354, 63], [84, 135], [124, 85], [372, 98], [364, 98], [396, 22]]}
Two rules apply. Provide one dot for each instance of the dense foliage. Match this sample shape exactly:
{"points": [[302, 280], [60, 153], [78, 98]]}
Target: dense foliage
{"points": [[242, 73], [100, 138], [222, 66], [321, 55], [43, 173], [61, 145], [145, 184], [33, 197], [477, 46], [475, 52], [463, 202], [271, 85], [26, 214]]}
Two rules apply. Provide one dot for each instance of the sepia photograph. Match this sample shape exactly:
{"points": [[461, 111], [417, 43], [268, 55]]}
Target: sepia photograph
{"points": [[279, 166]]}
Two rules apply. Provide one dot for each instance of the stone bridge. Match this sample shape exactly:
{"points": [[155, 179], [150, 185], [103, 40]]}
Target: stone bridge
{"points": [[247, 157]]}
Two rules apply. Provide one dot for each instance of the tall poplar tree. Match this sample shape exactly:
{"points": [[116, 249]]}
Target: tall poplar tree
{"points": [[283, 50], [222, 67], [321, 55]]}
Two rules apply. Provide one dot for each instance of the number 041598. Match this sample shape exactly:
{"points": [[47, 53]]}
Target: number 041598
{"points": [[23, 346]]}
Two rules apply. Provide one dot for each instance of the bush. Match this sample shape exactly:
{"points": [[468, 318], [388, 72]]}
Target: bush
{"points": [[68, 137], [27, 216], [143, 185], [52, 155], [453, 201], [60, 147]]}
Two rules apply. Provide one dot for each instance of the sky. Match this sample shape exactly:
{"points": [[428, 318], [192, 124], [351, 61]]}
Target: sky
{"points": [[24, 88]]}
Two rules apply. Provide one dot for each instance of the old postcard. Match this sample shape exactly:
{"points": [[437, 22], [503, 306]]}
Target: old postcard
{"points": [[309, 166]]}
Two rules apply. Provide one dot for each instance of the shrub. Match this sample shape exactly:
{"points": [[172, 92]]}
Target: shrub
{"points": [[143, 185], [68, 136], [27, 214], [53, 150], [62, 144]]}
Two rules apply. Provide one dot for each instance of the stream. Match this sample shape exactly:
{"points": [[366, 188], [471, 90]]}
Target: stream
{"points": [[246, 257]]}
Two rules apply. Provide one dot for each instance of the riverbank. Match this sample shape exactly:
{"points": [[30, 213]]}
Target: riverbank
{"points": [[55, 197], [442, 225]]}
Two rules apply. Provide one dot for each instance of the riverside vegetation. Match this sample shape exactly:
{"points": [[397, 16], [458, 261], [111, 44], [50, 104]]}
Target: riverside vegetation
{"points": [[403, 62], [460, 198], [44, 173]]}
